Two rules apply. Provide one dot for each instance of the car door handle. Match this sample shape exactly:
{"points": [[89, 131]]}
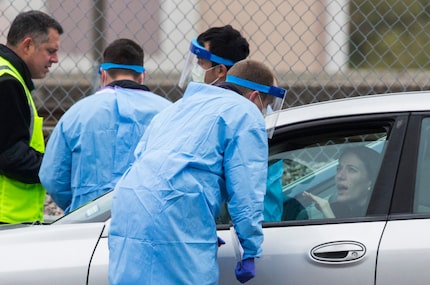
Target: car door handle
{"points": [[338, 252]]}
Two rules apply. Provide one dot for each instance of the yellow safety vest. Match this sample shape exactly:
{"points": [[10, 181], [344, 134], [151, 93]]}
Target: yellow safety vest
{"points": [[21, 202]]}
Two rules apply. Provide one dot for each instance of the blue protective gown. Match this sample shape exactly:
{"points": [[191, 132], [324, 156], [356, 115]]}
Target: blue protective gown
{"points": [[209, 146], [273, 201], [93, 143]]}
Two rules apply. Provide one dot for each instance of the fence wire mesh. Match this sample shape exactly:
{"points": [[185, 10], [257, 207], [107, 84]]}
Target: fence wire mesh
{"points": [[319, 49]]}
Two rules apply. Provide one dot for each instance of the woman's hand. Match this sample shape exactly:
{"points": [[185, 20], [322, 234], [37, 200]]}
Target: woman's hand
{"points": [[321, 204]]}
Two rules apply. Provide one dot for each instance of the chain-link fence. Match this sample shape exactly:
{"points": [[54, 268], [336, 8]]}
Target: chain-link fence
{"points": [[319, 49]]}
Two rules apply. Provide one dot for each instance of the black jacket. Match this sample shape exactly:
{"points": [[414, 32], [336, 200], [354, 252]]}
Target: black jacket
{"points": [[17, 159], [129, 84]]}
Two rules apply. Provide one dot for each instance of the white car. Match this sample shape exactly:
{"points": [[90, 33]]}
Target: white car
{"points": [[385, 243]]}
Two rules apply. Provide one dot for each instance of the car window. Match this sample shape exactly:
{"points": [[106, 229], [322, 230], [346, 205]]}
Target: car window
{"points": [[95, 211], [422, 186], [308, 161], [326, 175]]}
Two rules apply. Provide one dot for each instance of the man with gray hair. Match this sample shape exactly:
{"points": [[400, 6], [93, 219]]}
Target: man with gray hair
{"points": [[31, 48]]}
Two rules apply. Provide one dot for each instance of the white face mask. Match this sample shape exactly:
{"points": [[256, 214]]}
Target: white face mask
{"points": [[198, 74]]}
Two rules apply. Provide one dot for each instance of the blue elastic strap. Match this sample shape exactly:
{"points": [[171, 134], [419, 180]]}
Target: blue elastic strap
{"points": [[200, 51], [109, 65], [272, 90]]}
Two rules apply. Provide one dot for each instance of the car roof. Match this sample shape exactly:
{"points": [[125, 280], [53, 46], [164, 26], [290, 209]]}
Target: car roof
{"points": [[368, 104]]}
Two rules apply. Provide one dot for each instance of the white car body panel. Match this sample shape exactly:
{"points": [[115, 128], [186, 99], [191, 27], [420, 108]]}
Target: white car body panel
{"points": [[98, 274], [395, 102], [286, 255], [404, 255], [54, 254]]}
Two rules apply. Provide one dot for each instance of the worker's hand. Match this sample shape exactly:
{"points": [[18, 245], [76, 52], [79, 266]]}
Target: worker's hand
{"points": [[245, 270], [220, 242]]}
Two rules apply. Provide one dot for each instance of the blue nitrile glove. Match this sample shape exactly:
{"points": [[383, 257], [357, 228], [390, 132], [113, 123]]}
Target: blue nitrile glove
{"points": [[220, 242], [245, 270]]}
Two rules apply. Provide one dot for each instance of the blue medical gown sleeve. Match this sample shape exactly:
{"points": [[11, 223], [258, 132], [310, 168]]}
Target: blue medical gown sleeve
{"points": [[273, 201], [55, 171], [246, 173]]}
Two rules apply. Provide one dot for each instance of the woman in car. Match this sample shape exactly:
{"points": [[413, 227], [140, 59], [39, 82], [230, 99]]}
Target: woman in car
{"points": [[355, 177]]}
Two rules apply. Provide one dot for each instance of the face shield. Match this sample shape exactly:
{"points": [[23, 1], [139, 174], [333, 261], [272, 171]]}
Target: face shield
{"points": [[276, 97], [192, 71]]}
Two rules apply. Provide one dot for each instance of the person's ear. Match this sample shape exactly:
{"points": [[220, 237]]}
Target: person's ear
{"points": [[222, 71], [27, 45], [27, 42], [253, 96], [141, 78], [103, 76]]}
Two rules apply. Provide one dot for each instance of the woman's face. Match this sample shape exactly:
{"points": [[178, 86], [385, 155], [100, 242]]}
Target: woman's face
{"points": [[352, 179]]}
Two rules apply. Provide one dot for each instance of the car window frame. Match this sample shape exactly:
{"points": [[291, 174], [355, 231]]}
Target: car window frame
{"points": [[404, 192], [380, 203]]}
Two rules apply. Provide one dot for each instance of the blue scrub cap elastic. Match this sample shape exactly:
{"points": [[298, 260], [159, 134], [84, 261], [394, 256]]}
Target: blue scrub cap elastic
{"points": [[109, 65], [200, 51], [272, 90]]}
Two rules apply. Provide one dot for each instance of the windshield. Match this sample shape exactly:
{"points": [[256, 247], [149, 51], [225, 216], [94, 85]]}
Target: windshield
{"points": [[93, 212]]}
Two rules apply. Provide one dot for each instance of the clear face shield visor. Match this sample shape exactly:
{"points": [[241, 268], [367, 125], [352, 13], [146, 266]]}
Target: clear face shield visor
{"points": [[192, 71], [273, 101]]}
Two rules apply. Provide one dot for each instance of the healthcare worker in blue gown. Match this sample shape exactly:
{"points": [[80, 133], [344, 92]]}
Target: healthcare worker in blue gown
{"points": [[93, 143], [273, 201], [207, 148]]}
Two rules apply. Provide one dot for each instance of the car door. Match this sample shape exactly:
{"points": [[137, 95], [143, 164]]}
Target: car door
{"points": [[404, 254], [301, 245], [98, 269], [48, 254]]}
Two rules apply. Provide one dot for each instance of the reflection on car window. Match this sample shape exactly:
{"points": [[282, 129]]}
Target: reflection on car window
{"points": [[92, 212], [422, 189], [324, 176]]}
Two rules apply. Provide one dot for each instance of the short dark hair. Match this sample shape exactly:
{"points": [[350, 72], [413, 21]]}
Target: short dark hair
{"points": [[225, 42], [35, 24], [123, 51]]}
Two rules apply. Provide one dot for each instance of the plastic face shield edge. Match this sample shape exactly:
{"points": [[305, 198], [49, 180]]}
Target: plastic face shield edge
{"points": [[278, 96], [197, 51]]}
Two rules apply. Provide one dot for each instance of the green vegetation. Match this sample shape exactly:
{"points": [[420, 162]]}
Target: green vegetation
{"points": [[390, 34]]}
